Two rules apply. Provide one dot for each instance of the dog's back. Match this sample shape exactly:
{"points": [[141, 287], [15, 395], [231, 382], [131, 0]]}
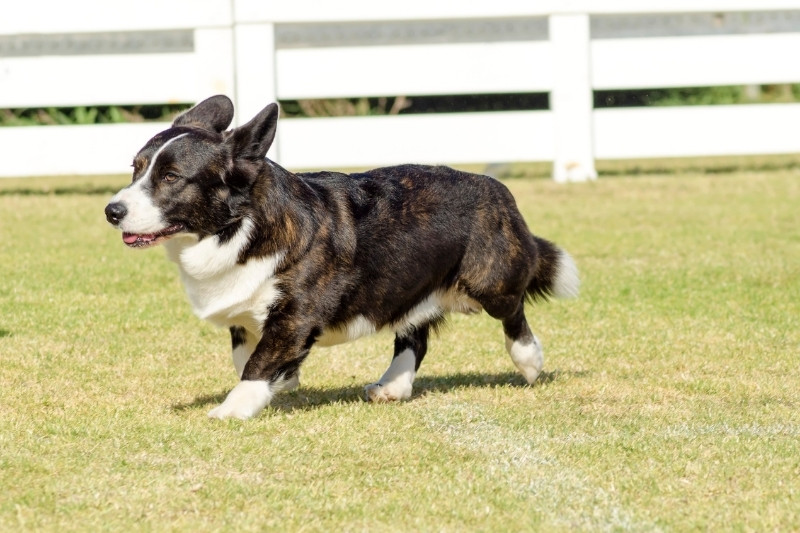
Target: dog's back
{"points": [[419, 229]]}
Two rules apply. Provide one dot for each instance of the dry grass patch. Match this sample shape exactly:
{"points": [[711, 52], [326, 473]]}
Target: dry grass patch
{"points": [[670, 398]]}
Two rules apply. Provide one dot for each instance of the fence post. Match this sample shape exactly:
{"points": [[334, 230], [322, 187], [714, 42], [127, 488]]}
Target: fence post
{"points": [[215, 69], [255, 73], [571, 98]]}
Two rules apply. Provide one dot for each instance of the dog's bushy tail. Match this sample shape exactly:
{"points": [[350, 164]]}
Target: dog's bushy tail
{"points": [[556, 273]]}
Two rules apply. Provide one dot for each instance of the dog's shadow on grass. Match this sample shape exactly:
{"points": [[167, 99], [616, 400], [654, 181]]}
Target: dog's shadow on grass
{"points": [[307, 398]]}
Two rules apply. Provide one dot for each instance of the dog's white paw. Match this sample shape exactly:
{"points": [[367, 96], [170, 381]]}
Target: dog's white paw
{"points": [[527, 356], [392, 392], [245, 401], [397, 382]]}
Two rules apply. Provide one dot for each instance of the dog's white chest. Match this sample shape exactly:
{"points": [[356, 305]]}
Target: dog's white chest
{"points": [[220, 289], [241, 296]]}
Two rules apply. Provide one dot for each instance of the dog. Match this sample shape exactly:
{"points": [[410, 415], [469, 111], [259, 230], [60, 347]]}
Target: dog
{"points": [[290, 261]]}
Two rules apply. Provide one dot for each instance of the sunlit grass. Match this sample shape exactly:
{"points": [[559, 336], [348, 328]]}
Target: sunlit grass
{"points": [[670, 398]]}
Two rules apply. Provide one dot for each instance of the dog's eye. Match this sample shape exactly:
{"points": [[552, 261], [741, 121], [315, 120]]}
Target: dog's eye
{"points": [[169, 177]]}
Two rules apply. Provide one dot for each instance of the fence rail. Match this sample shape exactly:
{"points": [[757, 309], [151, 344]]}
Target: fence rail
{"points": [[257, 52]]}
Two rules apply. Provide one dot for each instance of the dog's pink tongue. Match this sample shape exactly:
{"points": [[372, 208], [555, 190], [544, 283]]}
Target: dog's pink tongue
{"points": [[129, 238]]}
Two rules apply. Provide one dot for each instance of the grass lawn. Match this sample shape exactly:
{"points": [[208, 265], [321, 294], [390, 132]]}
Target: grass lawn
{"points": [[671, 398]]}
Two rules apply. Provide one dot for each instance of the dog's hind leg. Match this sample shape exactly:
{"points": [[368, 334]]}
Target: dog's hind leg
{"points": [[398, 380], [522, 345]]}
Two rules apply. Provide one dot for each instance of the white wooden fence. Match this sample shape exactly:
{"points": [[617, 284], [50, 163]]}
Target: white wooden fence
{"points": [[236, 48]]}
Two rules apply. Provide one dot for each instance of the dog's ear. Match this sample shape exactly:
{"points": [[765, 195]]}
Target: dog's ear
{"points": [[252, 140], [214, 114]]}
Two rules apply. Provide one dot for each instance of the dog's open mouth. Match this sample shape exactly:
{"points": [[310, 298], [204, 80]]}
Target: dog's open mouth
{"points": [[141, 240]]}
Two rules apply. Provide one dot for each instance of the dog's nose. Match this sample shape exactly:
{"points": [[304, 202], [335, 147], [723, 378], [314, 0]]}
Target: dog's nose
{"points": [[115, 212]]}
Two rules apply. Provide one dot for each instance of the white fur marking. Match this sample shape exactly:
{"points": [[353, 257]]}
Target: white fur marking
{"points": [[242, 296], [241, 354], [425, 311], [152, 161], [528, 358], [206, 258], [567, 281], [398, 380], [358, 327], [245, 401], [143, 215], [434, 306], [429, 308], [220, 289]]}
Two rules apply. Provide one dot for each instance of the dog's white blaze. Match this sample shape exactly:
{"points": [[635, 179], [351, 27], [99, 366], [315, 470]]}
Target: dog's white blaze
{"points": [[146, 175], [528, 357], [143, 215], [246, 400], [398, 380], [567, 281]]}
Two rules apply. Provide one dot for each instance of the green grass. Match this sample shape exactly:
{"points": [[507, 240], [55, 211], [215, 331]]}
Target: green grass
{"points": [[671, 398]]}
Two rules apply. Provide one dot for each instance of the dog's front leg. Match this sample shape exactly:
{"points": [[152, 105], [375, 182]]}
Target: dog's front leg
{"points": [[273, 367], [246, 400]]}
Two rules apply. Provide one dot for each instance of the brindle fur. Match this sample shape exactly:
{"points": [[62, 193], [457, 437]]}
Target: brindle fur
{"points": [[371, 245]]}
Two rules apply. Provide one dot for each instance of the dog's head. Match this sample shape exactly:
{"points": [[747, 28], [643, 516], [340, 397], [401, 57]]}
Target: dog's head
{"points": [[194, 177]]}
